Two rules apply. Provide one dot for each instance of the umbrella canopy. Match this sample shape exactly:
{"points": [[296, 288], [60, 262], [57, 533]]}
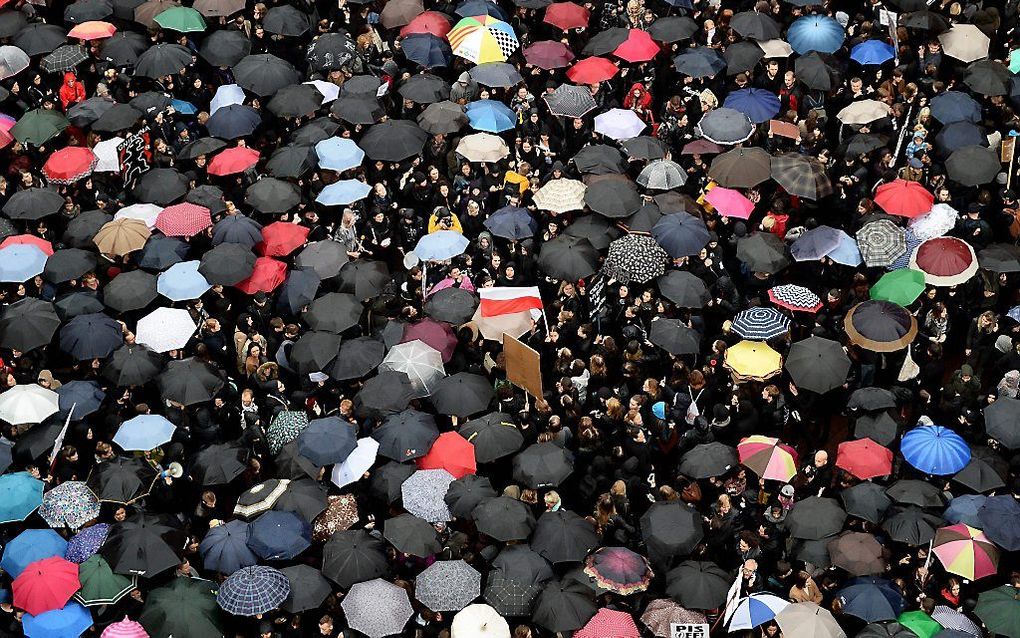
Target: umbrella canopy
{"points": [[904, 198], [726, 126], [880, 326], [965, 42], [815, 33], [448, 585], [817, 364], [934, 449], [965, 551], [564, 606], [768, 457], [945, 261], [756, 610], [21, 495], [225, 547], [815, 517], [752, 360], [251, 591], [141, 546], [742, 167], [680, 234], [185, 607], [864, 459]]}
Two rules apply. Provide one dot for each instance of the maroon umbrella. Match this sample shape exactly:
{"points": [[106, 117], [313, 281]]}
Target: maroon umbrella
{"points": [[548, 55], [438, 335], [619, 569]]}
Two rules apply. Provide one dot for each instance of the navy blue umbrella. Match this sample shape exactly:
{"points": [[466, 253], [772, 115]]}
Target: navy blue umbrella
{"points": [[299, 290], [427, 50], [279, 535], [237, 229], [327, 441], [251, 591], [998, 517], [85, 396], [680, 234], [758, 105], [871, 599], [480, 8], [964, 509], [700, 62], [958, 135], [512, 222], [160, 253], [225, 548], [91, 336], [233, 121], [955, 106]]}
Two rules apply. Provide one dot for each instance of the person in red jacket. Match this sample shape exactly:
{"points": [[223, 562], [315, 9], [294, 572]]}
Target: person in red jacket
{"points": [[72, 91]]}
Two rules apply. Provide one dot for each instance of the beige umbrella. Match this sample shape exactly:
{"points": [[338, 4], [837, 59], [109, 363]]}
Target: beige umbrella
{"points": [[965, 42], [808, 620], [561, 195], [145, 13], [482, 147], [493, 328], [122, 236], [863, 112], [479, 621], [397, 13], [776, 48]]}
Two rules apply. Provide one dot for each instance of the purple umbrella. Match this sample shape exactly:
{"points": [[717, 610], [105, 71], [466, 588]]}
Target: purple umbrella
{"points": [[86, 543]]}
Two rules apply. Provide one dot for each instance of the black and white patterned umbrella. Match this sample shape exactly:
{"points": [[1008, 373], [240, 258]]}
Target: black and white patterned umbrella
{"points": [[448, 585], [949, 618], [64, 58], [881, 242], [253, 590], [377, 608], [796, 298], [423, 494], [510, 597], [635, 258], [663, 175], [569, 100], [760, 323]]}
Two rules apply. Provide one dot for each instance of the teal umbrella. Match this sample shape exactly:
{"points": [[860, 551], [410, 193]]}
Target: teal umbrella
{"points": [[20, 495]]}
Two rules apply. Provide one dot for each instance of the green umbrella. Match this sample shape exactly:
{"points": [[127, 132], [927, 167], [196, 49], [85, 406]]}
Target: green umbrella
{"points": [[39, 126], [902, 286], [999, 610], [920, 623], [99, 585], [186, 608], [181, 19]]}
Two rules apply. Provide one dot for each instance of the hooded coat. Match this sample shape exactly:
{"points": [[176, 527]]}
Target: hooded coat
{"points": [[71, 91]]}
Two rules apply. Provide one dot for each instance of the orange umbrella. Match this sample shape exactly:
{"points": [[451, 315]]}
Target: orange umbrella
{"points": [[92, 30]]}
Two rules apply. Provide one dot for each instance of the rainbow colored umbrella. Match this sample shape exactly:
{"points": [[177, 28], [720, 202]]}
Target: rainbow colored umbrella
{"points": [[768, 457], [482, 39], [966, 551]]}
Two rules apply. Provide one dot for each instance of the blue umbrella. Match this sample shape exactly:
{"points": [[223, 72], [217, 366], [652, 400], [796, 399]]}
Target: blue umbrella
{"points": [[69, 622], [934, 449], [184, 108], [85, 396], [234, 121], [871, 599], [815, 33], [427, 50], [144, 432], [512, 222], [225, 548], [958, 135], [339, 154], [964, 509], [299, 290], [163, 252], [680, 234], [955, 106], [226, 95], [20, 495], [815, 244], [86, 543], [327, 441], [872, 52], [903, 261], [251, 591], [279, 535], [472, 8], [998, 517], [758, 105], [182, 282], [700, 62], [490, 115], [91, 336], [847, 253], [21, 262], [441, 245], [29, 546], [237, 229], [344, 192]]}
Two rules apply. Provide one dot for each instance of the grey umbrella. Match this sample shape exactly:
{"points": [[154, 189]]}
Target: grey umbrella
{"points": [[725, 126], [815, 517], [442, 118], [422, 495], [425, 88], [568, 100], [448, 585], [866, 501], [496, 74], [377, 608], [663, 175]]}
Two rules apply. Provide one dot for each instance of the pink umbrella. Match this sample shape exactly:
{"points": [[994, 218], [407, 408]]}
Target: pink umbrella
{"points": [[126, 628], [438, 335], [7, 122], [183, 220], [729, 202]]}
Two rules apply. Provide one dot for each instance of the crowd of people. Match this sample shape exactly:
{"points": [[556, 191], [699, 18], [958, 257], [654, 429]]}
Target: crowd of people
{"points": [[491, 319]]}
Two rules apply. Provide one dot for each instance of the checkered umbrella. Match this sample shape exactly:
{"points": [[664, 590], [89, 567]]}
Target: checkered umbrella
{"points": [[903, 261], [635, 258], [377, 608], [569, 100], [511, 597], [64, 58], [341, 512], [285, 428], [760, 323], [796, 298], [881, 242], [801, 175], [423, 494], [70, 504], [253, 590], [448, 585], [483, 39]]}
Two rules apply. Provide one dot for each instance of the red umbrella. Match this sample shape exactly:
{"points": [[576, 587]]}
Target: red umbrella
{"points": [[70, 164], [945, 261], [233, 160], [567, 15], [183, 220], [46, 585], [267, 275], [429, 22], [437, 335], [548, 55], [903, 198], [592, 71], [92, 30], [608, 622], [638, 47], [450, 452], [43, 245], [864, 458], [281, 238]]}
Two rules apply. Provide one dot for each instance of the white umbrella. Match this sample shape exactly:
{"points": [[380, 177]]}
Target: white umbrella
{"points": [[935, 223], [863, 112], [329, 90], [108, 155], [514, 324], [27, 404], [965, 42], [619, 124], [355, 465], [808, 620], [422, 364], [144, 212], [165, 329], [776, 48], [226, 95], [482, 147], [479, 621], [561, 195]]}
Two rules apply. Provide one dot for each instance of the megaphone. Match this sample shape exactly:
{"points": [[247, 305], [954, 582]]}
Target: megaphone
{"points": [[174, 470]]}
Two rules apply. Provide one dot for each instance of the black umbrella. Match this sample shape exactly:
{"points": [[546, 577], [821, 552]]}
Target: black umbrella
{"points": [[11, 22], [386, 481], [91, 336], [742, 57], [644, 147], [314, 131], [353, 556], [504, 519], [225, 47], [569, 258], [122, 480], [85, 113], [85, 10], [313, 352], [871, 398], [124, 48], [189, 381], [815, 72], [707, 460], [264, 74], [881, 428], [670, 530], [132, 365], [305, 497], [763, 252], [911, 525], [685, 289], [866, 501], [681, 234], [150, 102], [494, 436], [462, 394], [78, 303], [82, 228], [755, 26], [161, 186], [326, 257], [28, 324], [39, 38], [442, 118], [237, 229], [308, 588], [698, 584], [543, 465], [564, 606], [815, 517], [358, 109], [387, 392], [599, 159], [980, 476], [218, 464], [972, 165], [131, 290], [674, 337], [293, 160], [452, 305], [298, 290], [64, 58], [673, 29], [987, 77], [1001, 418], [393, 141], [357, 357], [290, 464], [233, 121], [271, 195], [412, 535], [142, 545], [465, 494], [160, 253], [425, 88], [406, 435], [334, 312], [496, 74], [364, 277], [227, 264], [817, 364], [362, 85], [67, 264], [522, 564], [331, 51], [596, 229], [613, 198], [37, 441], [203, 145], [915, 492], [564, 537], [606, 41], [161, 60], [1000, 258], [286, 20], [33, 203]]}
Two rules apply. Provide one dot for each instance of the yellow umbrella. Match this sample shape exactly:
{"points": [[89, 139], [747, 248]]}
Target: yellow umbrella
{"points": [[752, 361], [122, 236]]}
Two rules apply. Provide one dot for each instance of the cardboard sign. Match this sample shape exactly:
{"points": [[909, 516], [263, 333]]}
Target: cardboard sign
{"points": [[1007, 150], [688, 630], [523, 366], [784, 129]]}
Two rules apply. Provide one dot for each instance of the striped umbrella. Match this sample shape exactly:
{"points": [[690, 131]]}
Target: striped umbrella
{"points": [[768, 457], [126, 628], [949, 618], [483, 39], [760, 323], [934, 449], [253, 590], [796, 298], [966, 551], [755, 610]]}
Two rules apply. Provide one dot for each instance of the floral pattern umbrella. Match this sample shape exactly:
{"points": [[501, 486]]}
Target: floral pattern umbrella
{"points": [[70, 504]]}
